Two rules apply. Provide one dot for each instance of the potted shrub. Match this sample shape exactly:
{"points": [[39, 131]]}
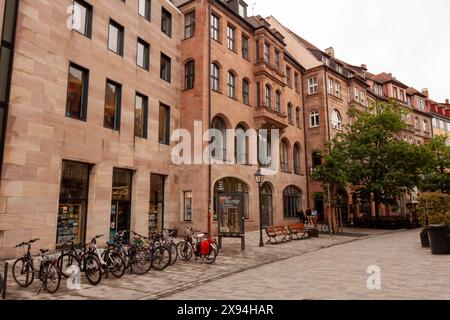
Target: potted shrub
{"points": [[433, 209]]}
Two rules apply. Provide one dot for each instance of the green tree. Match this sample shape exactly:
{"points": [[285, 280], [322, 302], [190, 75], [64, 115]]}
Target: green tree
{"points": [[437, 174]]}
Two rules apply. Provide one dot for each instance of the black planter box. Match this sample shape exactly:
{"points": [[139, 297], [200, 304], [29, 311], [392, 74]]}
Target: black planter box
{"points": [[438, 239], [424, 239]]}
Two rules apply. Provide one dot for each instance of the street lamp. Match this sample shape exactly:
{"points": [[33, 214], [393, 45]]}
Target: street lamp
{"points": [[259, 177]]}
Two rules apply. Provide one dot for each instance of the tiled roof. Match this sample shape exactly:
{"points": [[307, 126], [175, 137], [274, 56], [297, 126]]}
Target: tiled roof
{"points": [[414, 92], [385, 77]]}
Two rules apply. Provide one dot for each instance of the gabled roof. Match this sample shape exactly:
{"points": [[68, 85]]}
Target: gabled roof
{"points": [[414, 92], [387, 77]]}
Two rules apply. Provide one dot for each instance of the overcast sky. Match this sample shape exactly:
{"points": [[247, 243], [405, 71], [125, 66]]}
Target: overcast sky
{"points": [[408, 38]]}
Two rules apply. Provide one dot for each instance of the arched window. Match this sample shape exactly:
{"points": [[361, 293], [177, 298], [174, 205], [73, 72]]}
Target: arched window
{"points": [[289, 112], [241, 145], [189, 75], [297, 159], [246, 91], [231, 85], [215, 77], [284, 156], [314, 119], [278, 101], [336, 120], [265, 150], [297, 117], [268, 95], [292, 201], [220, 153]]}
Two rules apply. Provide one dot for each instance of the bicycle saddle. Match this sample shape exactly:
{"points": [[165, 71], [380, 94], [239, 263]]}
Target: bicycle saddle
{"points": [[44, 251]]}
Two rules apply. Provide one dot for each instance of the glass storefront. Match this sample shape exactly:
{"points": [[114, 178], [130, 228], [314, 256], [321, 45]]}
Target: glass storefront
{"points": [[121, 202], [156, 213], [73, 199]]}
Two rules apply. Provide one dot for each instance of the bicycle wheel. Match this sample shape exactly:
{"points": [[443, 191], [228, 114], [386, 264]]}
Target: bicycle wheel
{"points": [[52, 278], [160, 258], [184, 250], [141, 262], [92, 269], [65, 261], [116, 265], [211, 257], [173, 253], [23, 272]]}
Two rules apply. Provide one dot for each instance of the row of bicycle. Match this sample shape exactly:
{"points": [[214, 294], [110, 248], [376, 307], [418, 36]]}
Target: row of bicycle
{"points": [[137, 256]]}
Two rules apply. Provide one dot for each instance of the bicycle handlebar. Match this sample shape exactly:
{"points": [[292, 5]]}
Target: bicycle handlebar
{"points": [[27, 243]]}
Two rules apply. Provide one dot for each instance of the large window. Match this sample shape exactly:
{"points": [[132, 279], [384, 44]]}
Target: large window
{"points": [[189, 25], [145, 9], [297, 82], [77, 92], [314, 119], [220, 152], [284, 156], [336, 120], [215, 77], [268, 94], [73, 200], [278, 101], [166, 68], [289, 113], [266, 53], [289, 77], [312, 85], [166, 22], [245, 49], [297, 118], [116, 38], [215, 27], [189, 75], [297, 159], [241, 145], [140, 116], [82, 18], [231, 85], [231, 38], [143, 54], [316, 159], [164, 124], [187, 206], [292, 202], [246, 91], [277, 59], [113, 96]]}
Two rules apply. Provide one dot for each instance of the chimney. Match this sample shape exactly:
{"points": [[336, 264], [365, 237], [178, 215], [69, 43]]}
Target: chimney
{"points": [[447, 101], [330, 52], [364, 66], [425, 92]]}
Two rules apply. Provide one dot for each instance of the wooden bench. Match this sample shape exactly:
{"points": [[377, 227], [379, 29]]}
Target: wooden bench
{"points": [[277, 232], [298, 231]]}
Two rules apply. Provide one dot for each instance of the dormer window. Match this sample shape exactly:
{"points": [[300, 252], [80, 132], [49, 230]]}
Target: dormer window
{"points": [[242, 10]]}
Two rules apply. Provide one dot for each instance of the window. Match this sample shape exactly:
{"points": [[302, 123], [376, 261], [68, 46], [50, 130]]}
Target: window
{"points": [[268, 97], [402, 95], [337, 88], [336, 120], [330, 86], [115, 42], [82, 18], [145, 9], [242, 10], [434, 123], [230, 38], [140, 116], [164, 124], [362, 97], [143, 54], [284, 156], [189, 75], [425, 126], [378, 90], [215, 77], [297, 82], [77, 92], [421, 104], [166, 22], [257, 50], [315, 120], [356, 94], [278, 101], [245, 54], [112, 105], [395, 93], [266, 53], [231, 85], [316, 159], [416, 123], [215, 27], [292, 202], [289, 112], [277, 59], [187, 206], [297, 159], [313, 86], [297, 117], [289, 77], [220, 152], [241, 145], [189, 25], [166, 68], [246, 91]]}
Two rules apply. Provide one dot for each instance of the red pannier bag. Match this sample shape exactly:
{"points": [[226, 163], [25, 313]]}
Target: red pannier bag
{"points": [[205, 248]]}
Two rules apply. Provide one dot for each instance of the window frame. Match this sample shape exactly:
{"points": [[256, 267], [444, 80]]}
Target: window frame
{"points": [[84, 92]]}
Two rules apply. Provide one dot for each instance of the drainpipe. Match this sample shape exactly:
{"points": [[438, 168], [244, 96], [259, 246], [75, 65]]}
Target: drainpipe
{"points": [[209, 119], [330, 223], [305, 124]]}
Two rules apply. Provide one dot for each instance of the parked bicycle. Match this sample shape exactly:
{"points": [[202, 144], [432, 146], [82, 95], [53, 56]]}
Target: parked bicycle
{"points": [[199, 244], [158, 254], [24, 270]]}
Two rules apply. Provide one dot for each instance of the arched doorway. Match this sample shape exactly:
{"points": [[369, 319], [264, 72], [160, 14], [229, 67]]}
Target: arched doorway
{"points": [[266, 205], [231, 205]]}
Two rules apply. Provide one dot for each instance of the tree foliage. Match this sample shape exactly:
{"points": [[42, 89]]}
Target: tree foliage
{"points": [[437, 173]]}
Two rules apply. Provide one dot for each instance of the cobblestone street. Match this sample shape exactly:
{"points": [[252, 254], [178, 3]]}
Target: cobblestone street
{"points": [[321, 268]]}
